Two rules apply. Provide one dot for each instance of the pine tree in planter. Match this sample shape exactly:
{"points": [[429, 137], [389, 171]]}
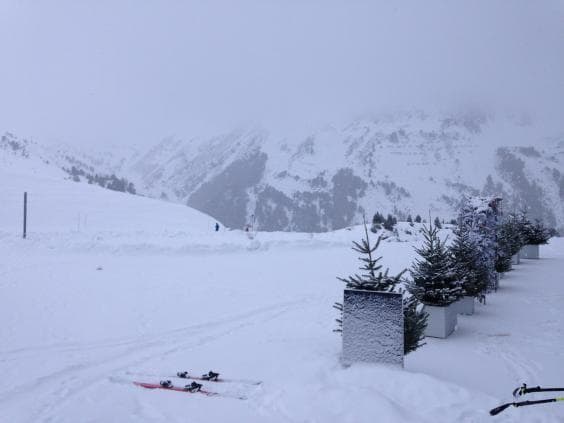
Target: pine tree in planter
{"points": [[505, 239], [415, 323], [435, 284], [373, 279], [515, 229], [465, 262], [535, 234], [479, 217]]}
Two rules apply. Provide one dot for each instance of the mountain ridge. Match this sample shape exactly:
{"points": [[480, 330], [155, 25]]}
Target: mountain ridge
{"points": [[406, 163]]}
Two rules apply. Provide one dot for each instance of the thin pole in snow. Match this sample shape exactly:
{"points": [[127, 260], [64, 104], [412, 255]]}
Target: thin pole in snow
{"points": [[25, 215]]}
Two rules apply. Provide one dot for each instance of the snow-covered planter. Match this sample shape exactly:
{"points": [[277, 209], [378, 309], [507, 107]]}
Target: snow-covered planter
{"points": [[515, 259], [372, 327], [530, 251], [441, 321], [436, 285], [466, 305]]}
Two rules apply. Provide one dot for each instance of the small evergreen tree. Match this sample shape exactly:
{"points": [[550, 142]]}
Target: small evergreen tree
{"points": [[479, 217], [466, 266], [131, 188], [377, 222], [378, 218], [434, 282], [514, 233], [414, 324], [509, 242], [373, 279], [389, 223], [531, 233], [418, 219], [523, 225], [437, 223], [537, 233], [409, 219]]}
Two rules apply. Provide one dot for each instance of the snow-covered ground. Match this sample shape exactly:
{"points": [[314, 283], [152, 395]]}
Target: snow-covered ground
{"points": [[110, 288]]}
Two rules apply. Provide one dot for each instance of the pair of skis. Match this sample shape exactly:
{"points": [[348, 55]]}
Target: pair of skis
{"points": [[195, 387], [214, 377], [523, 390]]}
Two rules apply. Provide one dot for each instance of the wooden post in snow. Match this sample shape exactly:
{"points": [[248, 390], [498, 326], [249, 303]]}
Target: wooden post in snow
{"points": [[25, 215]]}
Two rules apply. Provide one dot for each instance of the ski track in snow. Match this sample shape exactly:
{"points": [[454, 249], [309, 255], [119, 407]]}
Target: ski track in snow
{"points": [[517, 365], [173, 334], [73, 380], [73, 337], [89, 367]]}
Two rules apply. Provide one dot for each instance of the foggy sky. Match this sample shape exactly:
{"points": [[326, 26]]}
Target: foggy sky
{"points": [[116, 71]]}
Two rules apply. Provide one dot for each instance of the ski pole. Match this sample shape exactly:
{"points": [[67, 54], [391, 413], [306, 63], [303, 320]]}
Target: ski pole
{"points": [[499, 409], [525, 390]]}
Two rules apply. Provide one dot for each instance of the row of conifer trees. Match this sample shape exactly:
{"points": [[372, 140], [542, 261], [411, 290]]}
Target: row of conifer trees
{"points": [[483, 245]]}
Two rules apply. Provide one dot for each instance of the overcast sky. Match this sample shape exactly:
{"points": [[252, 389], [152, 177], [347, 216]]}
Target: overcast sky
{"points": [[116, 71]]}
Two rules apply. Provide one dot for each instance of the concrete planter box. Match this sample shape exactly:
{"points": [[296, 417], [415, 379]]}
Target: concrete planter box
{"points": [[530, 251], [372, 327], [441, 321], [515, 259], [466, 305], [499, 277]]}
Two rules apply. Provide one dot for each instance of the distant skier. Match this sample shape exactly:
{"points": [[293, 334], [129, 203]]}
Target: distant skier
{"points": [[216, 226]]}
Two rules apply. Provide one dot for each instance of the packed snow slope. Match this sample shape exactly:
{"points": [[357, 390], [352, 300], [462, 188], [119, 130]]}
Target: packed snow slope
{"points": [[326, 178], [66, 208], [130, 296]]}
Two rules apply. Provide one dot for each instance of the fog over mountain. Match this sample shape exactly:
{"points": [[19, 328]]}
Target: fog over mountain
{"points": [[132, 72], [303, 114]]}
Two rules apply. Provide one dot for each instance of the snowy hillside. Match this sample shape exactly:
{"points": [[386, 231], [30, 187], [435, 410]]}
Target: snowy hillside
{"points": [[141, 289], [63, 207], [27, 157]]}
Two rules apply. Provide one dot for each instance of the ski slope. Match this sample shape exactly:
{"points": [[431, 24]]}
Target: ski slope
{"points": [[140, 289]]}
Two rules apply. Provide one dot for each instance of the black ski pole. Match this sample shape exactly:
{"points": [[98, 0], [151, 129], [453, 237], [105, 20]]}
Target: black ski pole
{"points": [[499, 409], [526, 390]]}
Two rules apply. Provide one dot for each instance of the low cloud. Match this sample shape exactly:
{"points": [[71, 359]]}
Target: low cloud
{"points": [[133, 72]]}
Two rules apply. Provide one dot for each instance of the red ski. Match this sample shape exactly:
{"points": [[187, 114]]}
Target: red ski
{"points": [[170, 387], [174, 388], [207, 377]]}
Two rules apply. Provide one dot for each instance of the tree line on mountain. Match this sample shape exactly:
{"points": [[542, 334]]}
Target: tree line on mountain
{"points": [[389, 222], [105, 181]]}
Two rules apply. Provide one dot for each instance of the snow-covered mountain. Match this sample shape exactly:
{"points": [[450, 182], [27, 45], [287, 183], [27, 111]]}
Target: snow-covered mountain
{"points": [[403, 163], [27, 157]]}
